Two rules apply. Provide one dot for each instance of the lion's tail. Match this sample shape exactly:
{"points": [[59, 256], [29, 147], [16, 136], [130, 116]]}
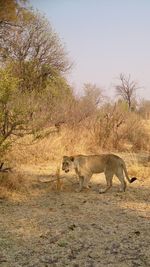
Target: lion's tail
{"points": [[126, 173]]}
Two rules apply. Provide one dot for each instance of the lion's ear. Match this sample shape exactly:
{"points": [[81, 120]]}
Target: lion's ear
{"points": [[65, 157], [72, 158]]}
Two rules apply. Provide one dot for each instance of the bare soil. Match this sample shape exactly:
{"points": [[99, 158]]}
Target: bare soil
{"points": [[66, 228]]}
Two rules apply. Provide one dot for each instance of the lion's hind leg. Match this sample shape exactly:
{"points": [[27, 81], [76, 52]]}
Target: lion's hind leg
{"points": [[120, 175], [109, 177]]}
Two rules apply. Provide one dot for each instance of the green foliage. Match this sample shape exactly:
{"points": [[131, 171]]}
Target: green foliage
{"points": [[14, 111], [32, 88], [58, 87], [31, 83], [8, 85]]}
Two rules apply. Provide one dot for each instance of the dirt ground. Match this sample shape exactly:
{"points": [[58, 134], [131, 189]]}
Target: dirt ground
{"points": [[84, 229]]}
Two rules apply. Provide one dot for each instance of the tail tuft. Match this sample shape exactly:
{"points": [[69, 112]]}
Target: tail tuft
{"points": [[133, 179]]}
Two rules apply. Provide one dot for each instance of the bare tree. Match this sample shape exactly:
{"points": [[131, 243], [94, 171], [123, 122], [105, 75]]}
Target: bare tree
{"points": [[35, 39], [35, 49], [127, 89], [92, 96]]}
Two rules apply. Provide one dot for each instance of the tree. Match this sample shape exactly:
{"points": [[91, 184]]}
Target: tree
{"points": [[35, 49], [32, 85], [127, 89], [92, 97], [9, 10], [93, 93], [9, 115], [21, 113]]}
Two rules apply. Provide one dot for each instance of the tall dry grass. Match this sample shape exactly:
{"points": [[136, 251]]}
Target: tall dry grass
{"points": [[81, 139], [14, 185], [52, 148], [89, 137]]}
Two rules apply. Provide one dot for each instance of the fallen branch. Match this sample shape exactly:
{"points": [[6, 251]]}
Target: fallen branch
{"points": [[56, 179], [50, 181]]}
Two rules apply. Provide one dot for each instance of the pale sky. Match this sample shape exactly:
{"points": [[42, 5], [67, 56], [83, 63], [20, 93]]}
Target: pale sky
{"points": [[103, 38]]}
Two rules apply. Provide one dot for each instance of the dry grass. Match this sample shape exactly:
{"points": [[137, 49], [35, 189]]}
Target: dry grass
{"points": [[28, 158], [51, 148], [72, 140], [13, 185], [49, 224], [139, 171]]}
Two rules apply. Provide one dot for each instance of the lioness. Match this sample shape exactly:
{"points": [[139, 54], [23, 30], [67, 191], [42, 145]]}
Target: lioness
{"points": [[86, 166]]}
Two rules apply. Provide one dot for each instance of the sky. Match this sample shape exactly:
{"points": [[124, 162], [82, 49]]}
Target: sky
{"points": [[103, 38]]}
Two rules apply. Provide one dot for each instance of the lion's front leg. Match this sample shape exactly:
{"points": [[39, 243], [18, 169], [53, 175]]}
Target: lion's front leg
{"points": [[81, 181], [86, 181]]}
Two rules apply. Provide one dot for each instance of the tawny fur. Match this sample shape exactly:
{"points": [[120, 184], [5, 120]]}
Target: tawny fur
{"points": [[86, 166]]}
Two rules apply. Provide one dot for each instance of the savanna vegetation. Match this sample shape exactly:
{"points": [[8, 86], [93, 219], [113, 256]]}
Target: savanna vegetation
{"points": [[41, 119]]}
